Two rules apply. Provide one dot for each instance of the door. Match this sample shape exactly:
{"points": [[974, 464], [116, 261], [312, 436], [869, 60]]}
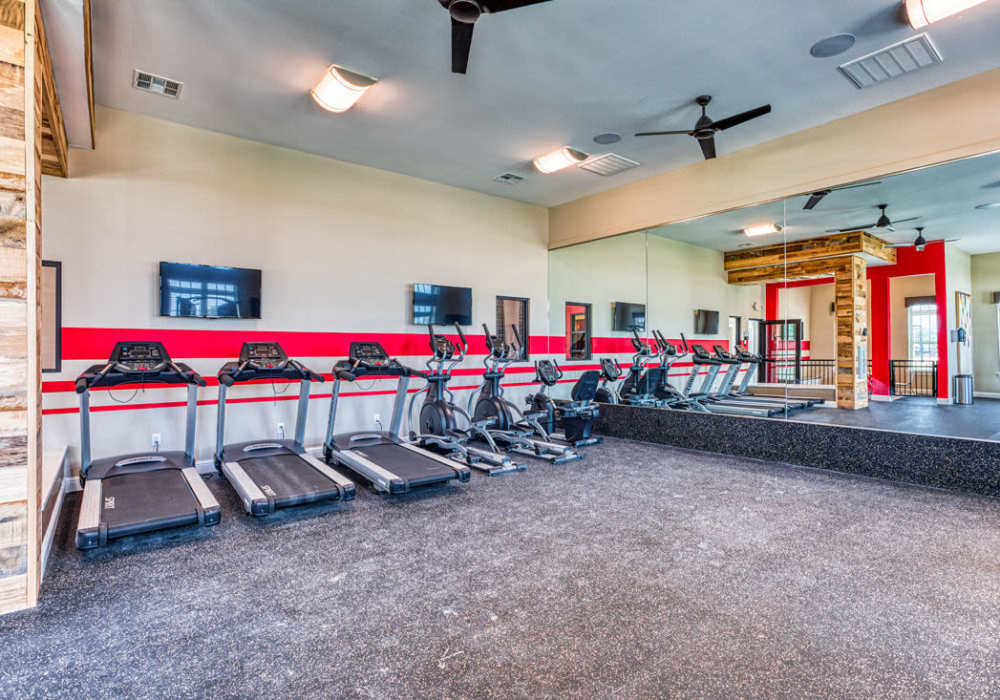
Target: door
{"points": [[781, 343]]}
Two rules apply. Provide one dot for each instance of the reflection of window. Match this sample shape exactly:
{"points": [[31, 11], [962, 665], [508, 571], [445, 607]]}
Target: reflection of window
{"points": [[51, 301], [577, 331], [187, 297], [513, 311], [922, 327]]}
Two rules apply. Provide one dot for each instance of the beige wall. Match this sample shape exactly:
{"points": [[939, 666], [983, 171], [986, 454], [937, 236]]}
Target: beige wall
{"points": [[899, 289], [958, 278], [985, 281], [953, 121], [339, 246], [822, 324]]}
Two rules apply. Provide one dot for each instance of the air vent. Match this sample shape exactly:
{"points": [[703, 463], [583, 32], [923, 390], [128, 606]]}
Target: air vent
{"points": [[156, 84], [608, 164], [508, 178], [893, 61]]}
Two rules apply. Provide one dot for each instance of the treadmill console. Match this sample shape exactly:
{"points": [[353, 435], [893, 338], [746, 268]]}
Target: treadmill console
{"points": [[139, 357], [369, 354], [263, 356]]}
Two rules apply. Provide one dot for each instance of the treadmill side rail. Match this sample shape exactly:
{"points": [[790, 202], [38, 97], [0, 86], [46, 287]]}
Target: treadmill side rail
{"points": [[382, 479], [89, 524], [345, 484], [210, 506], [254, 500]]}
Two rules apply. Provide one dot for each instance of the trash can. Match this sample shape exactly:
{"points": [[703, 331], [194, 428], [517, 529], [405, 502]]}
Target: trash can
{"points": [[962, 389]]}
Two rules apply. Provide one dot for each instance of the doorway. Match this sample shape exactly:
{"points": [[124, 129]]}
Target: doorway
{"points": [[577, 331], [781, 347]]}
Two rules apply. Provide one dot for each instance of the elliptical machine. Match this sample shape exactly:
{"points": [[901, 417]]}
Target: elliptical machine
{"points": [[519, 432], [576, 416], [439, 416], [666, 393], [611, 372], [639, 386]]}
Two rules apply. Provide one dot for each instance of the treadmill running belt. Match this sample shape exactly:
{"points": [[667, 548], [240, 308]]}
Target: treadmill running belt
{"points": [[143, 501], [412, 467], [290, 479]]}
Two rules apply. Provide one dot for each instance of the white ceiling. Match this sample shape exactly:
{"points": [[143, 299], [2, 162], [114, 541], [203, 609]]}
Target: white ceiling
{"points": [[943, 196], [539, 77]]}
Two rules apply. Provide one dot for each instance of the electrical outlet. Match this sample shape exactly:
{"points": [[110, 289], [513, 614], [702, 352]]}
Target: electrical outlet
{"points": [[156, 441], [281, 431], [378, 419]]}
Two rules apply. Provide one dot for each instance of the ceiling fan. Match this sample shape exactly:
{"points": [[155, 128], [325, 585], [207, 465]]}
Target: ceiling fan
{"points": [[920, 242], [817, 196], [464, 14], [883, 222], [705, 128]]}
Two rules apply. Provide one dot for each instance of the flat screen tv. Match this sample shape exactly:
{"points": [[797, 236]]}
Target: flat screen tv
{"points": [[628, 316], [706, 322], [203, 291], [444, 306]]}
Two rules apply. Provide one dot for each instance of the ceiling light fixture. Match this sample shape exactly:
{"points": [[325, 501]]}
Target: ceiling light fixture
{"points": [[920, 13], [339, 89], [761, 229], [832, 45], [559, 159]]}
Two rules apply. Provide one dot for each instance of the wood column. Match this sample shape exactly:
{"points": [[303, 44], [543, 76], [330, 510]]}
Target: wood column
{"points": [[22, 90], [851, 296]]}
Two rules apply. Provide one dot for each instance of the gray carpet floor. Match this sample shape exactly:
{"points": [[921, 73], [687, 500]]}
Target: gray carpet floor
{"points": [[644, 571]]}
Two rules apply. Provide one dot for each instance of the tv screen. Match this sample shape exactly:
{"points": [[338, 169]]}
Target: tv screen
{"points": [[629, 316], [706, 322], [443, 306], [202, 291]]}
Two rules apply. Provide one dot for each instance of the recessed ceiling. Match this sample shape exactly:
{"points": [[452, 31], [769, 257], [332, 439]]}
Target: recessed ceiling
{"points": [[945, 197], [544, 76]]}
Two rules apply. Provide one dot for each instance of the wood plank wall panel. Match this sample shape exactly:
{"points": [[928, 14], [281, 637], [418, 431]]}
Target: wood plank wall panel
{"points": [[851, 300], [22, 90], [838, 244]]}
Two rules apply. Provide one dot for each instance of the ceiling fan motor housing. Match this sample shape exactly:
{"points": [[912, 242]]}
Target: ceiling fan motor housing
{"points": [[467, 11]]}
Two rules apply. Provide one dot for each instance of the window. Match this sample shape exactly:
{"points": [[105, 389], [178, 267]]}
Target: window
{"points": [[513, 311], [50, 292], [922, 327], [577, 331], [734, 332]]}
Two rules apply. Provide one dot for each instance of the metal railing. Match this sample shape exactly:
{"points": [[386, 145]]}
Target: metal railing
{"points": [[913, 378], [782, 371]]}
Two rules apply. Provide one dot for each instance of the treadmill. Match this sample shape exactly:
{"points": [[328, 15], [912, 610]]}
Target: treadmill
{"points": [[383, 458], [272, 474], [146, 491], [726, 393]]}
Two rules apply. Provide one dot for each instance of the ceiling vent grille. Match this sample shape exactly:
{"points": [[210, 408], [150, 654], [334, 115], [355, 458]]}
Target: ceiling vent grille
{"points": [[608, 164], [156, 84], [893, 61], [508, 178]]}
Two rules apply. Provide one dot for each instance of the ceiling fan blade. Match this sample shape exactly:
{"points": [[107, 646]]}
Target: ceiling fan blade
{"points": [[853, 228], [903, 221], [501, 5], [816, 198], [461, 42], [728, 122], [863, 184], [663, 133], [708, 147]]}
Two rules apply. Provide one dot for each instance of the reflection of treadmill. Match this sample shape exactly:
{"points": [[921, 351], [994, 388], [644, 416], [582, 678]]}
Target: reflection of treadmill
{"points": [[727, 394], [136, 493], [383, 458], [270, 474]]}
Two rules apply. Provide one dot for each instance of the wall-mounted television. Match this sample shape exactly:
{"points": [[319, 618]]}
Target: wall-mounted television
{"points": [[204, 291], [706, 322], [628, 316], [445, 306]]}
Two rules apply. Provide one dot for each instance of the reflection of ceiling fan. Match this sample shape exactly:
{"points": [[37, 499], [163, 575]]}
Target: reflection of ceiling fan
{"points": [[705, 129], [920, 243], [464, 14], [817, 196], [883, 222]]}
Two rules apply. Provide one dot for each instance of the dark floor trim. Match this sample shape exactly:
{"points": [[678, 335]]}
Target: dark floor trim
{"points": [[959, 464]]}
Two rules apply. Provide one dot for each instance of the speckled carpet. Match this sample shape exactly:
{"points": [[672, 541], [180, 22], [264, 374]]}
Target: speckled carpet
{"points": [[643, 571]]}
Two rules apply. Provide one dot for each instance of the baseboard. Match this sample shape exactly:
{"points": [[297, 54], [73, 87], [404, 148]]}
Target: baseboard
{"points": [[944, 402], [50, 533], [54, 495], [986, 395]]}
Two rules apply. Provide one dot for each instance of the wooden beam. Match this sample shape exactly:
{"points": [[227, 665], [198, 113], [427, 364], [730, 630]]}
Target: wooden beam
{"points": [[88, 57], [838, 244], [810, 269], [58, 147], [851, 311]]}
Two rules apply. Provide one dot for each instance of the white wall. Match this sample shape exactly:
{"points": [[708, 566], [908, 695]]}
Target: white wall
{"points": [[339, 246], [985, 281], [958, 278]]}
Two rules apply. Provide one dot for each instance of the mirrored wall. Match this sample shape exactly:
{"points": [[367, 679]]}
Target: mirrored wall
{"points": [[873, 304]]}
